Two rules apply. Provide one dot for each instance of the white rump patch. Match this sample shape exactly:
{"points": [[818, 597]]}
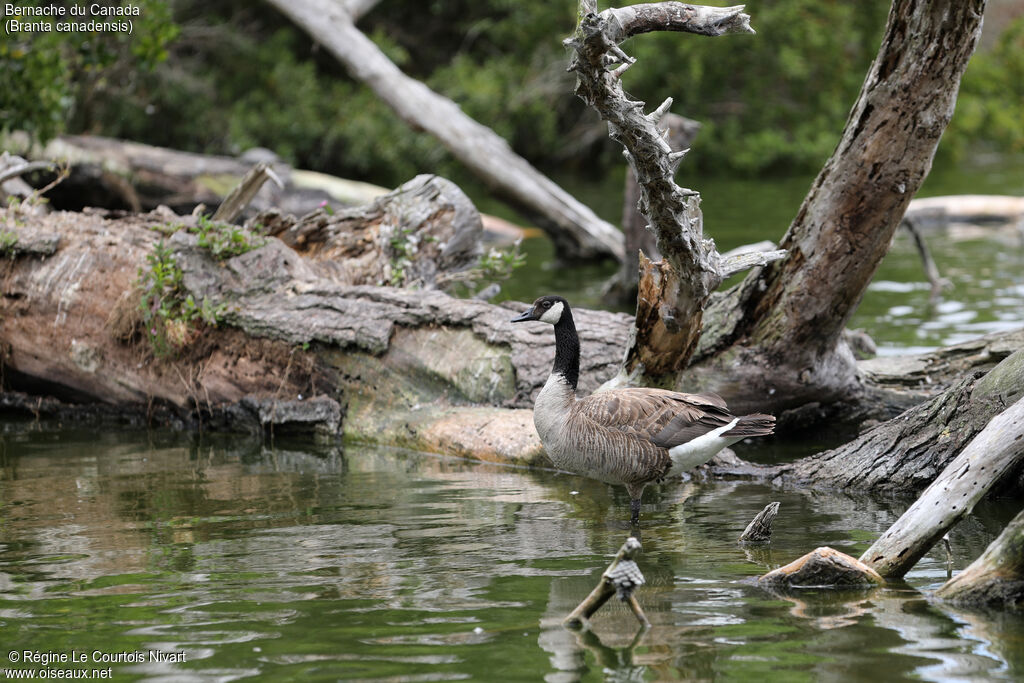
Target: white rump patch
{"points": [[553, 314], [698, 451]]}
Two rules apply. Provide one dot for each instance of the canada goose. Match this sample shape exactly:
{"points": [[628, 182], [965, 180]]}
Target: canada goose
{"points": [[626, 436]]}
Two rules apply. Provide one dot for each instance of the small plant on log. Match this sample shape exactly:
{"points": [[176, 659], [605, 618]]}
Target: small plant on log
{"points": [[8, 240], [224, 240], [496, 265], [170, 318]]}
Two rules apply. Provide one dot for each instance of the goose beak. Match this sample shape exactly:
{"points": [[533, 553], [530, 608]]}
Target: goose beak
{"points": [[527, 315]]}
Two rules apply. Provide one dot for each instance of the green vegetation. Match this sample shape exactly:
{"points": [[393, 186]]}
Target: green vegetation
{"points": [[224, 240], [236, 75], [8, 240], [170, 317]]}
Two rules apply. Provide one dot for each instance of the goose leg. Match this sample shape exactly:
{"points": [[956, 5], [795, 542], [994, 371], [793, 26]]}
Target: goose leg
{"points": [[635, 494], [634, 511]]}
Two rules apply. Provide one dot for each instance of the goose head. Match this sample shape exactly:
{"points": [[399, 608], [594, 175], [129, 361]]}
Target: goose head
{"points": [[547, 309]]}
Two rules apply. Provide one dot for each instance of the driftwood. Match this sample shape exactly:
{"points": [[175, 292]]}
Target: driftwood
{"points": [[673, 292], [822, 568], [760, 528], [621, 578], [996, 579], [578, 231], [997, 450], [980, 466], [907, 452], [424, 229]]}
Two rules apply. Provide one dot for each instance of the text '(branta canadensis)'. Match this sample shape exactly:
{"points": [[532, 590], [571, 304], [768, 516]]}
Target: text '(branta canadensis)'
{"points": [[629, 436]]}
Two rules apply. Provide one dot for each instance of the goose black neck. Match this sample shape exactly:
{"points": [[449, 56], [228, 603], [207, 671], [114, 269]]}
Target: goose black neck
{"points": [[567, 350]]}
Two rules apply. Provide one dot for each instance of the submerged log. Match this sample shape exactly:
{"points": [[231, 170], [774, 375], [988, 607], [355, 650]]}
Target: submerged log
{"points": [[822, 568], [996, 579], [906, 453]]}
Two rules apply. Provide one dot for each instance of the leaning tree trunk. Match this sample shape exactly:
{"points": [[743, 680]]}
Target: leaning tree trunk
{"points": [[784, 347], [996, 579], [577, 230]]}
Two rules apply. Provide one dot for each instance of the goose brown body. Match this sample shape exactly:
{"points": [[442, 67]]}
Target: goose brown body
{"points": [[628, 436]]}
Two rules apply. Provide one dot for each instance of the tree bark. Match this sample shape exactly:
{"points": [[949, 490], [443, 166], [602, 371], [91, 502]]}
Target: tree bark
{"points": [[413, 368], [575, 229], [996, 579], [906, 453], [784, 347]]}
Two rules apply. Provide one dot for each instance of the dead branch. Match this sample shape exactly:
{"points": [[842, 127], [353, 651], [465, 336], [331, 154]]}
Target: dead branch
{"points": [[576, 229], [693, 267], [243, 193], [621, 578]]}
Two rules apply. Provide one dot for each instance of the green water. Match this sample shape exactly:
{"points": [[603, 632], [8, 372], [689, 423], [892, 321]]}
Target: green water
{"points": [[284, 563]]}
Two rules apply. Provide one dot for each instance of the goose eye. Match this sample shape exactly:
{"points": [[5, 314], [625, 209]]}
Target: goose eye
{"points": [[547, 304]]}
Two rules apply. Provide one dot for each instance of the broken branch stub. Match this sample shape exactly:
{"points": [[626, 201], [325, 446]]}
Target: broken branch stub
{"points": [[760, 528]]}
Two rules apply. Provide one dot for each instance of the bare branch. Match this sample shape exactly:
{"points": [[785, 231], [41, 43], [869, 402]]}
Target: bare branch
{"points": [[737, 263], [677, 16]]}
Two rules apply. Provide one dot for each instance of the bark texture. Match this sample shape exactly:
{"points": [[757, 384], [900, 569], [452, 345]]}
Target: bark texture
{"points": [[996, 579], [575, 229], [784, 346], [413, 368], [667, 328], [908, 452], [998, 449]]}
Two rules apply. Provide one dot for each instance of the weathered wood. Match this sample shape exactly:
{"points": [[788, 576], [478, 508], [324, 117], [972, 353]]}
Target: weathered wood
{"points": [[996, 579], [995, 451], [667, 329], [621, 577], [245, 191], [423, 229], [907, 452], [578, 231], [679, 133], [780, 336], [416, 368], [822, 568], [760, 528]]}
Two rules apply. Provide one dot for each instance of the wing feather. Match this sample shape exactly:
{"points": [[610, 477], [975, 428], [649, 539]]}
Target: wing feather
{"points": [[665, 418]]}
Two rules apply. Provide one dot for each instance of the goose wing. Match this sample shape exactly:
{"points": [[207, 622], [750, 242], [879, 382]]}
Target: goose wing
{"points": [[665, 418]]}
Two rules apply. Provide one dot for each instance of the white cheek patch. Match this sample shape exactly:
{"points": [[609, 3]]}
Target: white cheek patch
{"points": [[553, 314]]}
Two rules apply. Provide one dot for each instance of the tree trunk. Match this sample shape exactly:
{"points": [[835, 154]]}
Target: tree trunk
{"points": [[784, 347], [996, 579], [575, 229]]}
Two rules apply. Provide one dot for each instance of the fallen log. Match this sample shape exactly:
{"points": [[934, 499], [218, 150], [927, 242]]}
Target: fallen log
{"points": [[621, 578], [907, 452], [996, 579], [412, 368], [997, 450]]}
